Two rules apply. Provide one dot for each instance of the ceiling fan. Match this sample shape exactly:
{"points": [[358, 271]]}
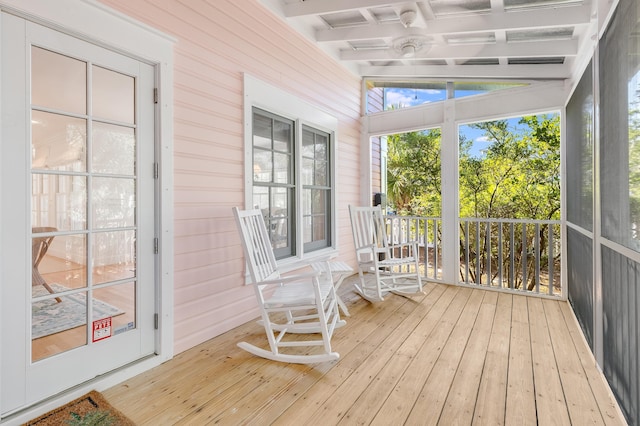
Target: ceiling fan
{"points": [[409, 44]]}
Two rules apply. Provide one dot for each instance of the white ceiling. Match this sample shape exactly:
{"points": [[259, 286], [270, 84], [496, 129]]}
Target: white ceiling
{"points": [[462, 39]]}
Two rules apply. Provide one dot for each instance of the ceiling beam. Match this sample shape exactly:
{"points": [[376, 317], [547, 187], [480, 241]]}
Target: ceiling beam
{"points": [[321, 7], [497, 5], [506, 72], [496, 50], [368, 32], [513, 20]]}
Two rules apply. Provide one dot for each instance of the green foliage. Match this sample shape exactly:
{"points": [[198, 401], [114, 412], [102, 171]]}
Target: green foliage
{"points": [[413, 173], [517, 177]]}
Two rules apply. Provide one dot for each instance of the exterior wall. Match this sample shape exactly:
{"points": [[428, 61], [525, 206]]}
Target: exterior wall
{"points": [[217, 42]]}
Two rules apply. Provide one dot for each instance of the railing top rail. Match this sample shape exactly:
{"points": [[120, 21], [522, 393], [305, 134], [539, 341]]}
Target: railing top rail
{"points": [[506, 220], [398, 216], [478, 219]]}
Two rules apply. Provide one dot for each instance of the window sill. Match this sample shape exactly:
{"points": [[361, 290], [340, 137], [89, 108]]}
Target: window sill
{"points": [[295, 263]]}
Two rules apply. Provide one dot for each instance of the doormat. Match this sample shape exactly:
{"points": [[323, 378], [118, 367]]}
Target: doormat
{"points": [[90, 409], [49, 316]]}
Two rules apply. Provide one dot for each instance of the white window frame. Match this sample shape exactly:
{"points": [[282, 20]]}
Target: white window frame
{"points": [[267, 97]]}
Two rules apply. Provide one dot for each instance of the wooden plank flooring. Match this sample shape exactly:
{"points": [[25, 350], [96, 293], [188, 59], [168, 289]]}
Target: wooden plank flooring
{"points": [[453, 356]]}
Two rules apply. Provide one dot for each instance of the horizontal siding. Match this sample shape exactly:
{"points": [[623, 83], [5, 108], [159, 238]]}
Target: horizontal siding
{"points": [[375, 100], [217, 42]]}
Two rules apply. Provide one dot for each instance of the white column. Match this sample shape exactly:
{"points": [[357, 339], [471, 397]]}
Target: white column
{"points": [[449, 175]]}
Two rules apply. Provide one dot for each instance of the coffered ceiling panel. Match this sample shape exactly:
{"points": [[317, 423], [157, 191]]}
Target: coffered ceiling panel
{"points": [[502, 39]]}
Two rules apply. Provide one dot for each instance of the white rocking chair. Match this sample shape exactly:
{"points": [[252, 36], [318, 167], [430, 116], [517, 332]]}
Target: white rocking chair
{"points": [[395, 267], [291, 305]]}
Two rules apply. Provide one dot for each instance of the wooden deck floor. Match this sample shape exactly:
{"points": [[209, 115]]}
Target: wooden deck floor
{"points": [[455, 356]]}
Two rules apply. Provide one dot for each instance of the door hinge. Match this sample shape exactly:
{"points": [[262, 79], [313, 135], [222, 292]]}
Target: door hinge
{"points": [[155, 246], [155, 95], [156, 170], [156, 320]]}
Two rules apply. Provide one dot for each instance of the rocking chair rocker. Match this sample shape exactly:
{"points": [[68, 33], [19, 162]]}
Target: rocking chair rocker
{"points": [[291, 305], [394, 267]]}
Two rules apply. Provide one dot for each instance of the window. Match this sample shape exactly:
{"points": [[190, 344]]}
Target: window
{"points": [[316, 192], [273, 180], [399, 94], [289, 154]]}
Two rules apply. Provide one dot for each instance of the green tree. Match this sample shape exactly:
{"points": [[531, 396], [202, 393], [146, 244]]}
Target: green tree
{"points": [[413, 173], [517, 176]]}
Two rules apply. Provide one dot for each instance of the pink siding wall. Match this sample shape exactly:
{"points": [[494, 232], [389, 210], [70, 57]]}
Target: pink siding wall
{"points": [[218, 41]]}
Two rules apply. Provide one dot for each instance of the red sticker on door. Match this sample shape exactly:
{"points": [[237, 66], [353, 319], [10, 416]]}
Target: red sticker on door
{"points": [[101, 329]]}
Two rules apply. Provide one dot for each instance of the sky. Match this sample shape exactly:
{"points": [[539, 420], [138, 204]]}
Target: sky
{"points": [[414, 97]]}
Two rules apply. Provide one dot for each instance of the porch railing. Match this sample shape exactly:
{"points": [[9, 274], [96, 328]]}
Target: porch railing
{"points": [[426, 232], [511, 254]]}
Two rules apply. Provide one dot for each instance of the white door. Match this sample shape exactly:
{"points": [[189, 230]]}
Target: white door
{"points": [[77, 212]]}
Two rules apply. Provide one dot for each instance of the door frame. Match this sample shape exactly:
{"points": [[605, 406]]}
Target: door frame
{"points": [[96, 23]]}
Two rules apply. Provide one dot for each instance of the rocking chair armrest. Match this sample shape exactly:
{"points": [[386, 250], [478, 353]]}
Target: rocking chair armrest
{"points": [[413, 244], [410, 246], [289, 278], [372, 248]]}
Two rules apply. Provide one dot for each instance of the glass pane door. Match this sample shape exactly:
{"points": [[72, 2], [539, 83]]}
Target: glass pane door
{"points": [[78, 206], [83, 198]]}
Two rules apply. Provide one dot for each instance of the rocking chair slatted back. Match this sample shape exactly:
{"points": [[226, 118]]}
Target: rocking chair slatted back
{"points": [[369, 229], [290, 305], [260, 258], [395, 267]]}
